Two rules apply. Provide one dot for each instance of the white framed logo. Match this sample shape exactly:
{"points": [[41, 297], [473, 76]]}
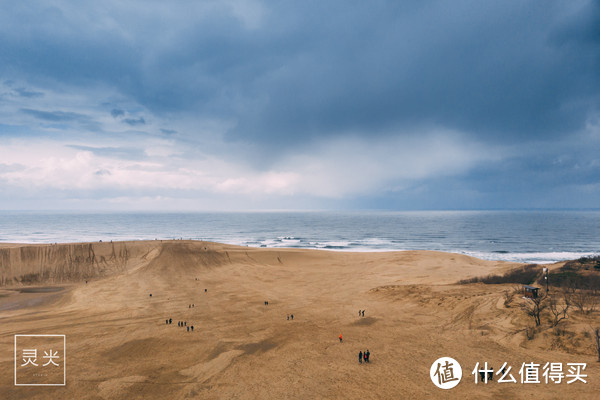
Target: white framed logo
{"points": [[40, 360]]}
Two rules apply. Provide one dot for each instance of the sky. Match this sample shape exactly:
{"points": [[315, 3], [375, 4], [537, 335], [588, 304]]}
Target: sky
{"points": [[256, 105]]}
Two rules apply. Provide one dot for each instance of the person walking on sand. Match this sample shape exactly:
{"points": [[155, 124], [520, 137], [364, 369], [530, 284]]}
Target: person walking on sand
{"points": [[359, 313], [367, 355], [340, 338], [363, 313], [192, 328], [288, 317], [188, 328], [360, 357], [170, 321], [292, 316]]}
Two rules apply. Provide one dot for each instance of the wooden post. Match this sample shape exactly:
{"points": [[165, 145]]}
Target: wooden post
{"points": [[598, 342]]}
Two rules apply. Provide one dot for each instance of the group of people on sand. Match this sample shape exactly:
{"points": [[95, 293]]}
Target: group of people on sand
{"points": [[364, 356], [290, 315], [191, 306], [183, 324], [361, 313]]}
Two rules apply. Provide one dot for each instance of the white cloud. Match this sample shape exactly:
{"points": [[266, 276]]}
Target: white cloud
{"points": [[331, 169]]}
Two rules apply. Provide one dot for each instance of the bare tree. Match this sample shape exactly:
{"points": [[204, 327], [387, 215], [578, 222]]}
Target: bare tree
{"points": [[534, 306], [559, 311], [584, 300], [508, 297], [593, 300], [580, 299], [598, 343]]}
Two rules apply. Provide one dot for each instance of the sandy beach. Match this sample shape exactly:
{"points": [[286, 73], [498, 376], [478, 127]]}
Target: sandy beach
{"points": [[119, 346]]}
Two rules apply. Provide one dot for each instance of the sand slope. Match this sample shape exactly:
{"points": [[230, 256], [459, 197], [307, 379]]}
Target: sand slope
{"points": [[120, 347]]}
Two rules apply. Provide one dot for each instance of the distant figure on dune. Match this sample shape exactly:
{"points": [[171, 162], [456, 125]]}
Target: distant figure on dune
{"points": [[188, 328], [166, 322], [367, 355], [193, 306], [363, 313], [192, 328], [205, 290], [288, 317], [359, 313], [360, 357], [189, 306], [292, 316], [150, 294], [491, 374], [185, 323], [178, 323], [170, 321], [340, 338]]}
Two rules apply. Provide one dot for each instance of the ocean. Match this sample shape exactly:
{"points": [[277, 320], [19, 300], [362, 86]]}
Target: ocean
{"points": [[521, 236]]}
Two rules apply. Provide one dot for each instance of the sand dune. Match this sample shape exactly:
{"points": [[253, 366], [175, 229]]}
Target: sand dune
{"points": [[120, 347]]}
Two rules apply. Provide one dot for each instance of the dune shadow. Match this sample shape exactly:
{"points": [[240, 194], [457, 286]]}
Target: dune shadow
{"points": [[365, 321], [262, 346]]}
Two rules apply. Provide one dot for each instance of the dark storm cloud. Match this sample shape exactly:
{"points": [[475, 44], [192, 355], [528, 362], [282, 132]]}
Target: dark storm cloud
{"points": [[135, 121], [55, 116], [238, 79], [501, 70], [23, 92], [117, 113], [63, 119]]}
